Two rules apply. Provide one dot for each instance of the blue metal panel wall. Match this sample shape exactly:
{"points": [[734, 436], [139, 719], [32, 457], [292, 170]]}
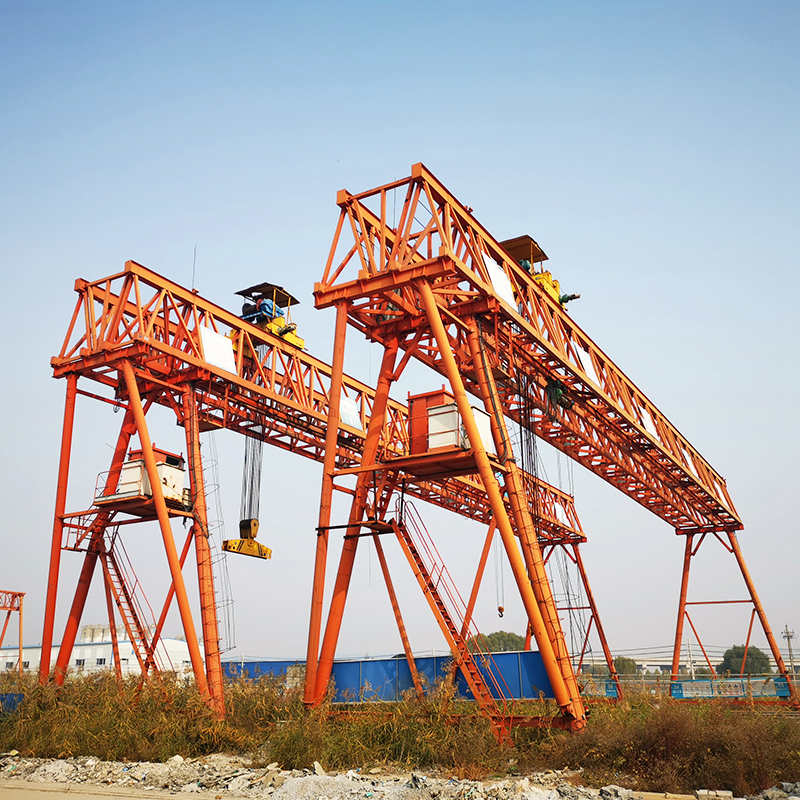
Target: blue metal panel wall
{"points": [[9, 702], [519, 675]]}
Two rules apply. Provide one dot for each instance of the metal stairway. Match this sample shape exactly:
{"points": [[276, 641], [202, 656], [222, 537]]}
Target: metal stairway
{"points": [[124, 599], [450, 610]]}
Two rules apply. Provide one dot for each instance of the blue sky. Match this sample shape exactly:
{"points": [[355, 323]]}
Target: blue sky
{"points": [[650, 148]]}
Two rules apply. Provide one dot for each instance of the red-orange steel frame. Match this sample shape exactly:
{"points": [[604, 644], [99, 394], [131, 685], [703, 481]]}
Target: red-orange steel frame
{"points": [[11, 602], [730, 544], [436, 286], [138, 334]]}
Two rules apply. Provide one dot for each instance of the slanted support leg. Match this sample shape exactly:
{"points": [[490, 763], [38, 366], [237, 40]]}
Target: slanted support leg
{"points": [[762, 616], [112, 624], [166, 530], [151, 654], [476, 584], [596, 617], [571, 707], [5, 627], [412, 664], [19, 641], [518, 501]]}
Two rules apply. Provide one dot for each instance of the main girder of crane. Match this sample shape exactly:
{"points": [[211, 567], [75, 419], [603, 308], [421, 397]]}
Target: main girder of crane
{"points": [[278, 392], [608, 424]]}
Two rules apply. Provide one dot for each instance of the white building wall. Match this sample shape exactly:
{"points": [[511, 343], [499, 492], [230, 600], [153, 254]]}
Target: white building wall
{"points": [[93, 653]]}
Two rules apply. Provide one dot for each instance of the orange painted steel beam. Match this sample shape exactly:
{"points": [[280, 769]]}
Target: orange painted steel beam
{"points": [[375, 428], [578, 559], [731, 546], [112, 622], [150, 664], [58, 528], [523, 519], [401, 627], [559, 674], [166, 531], [612, 427], [205, 574], [326, 498], [476, 584]]}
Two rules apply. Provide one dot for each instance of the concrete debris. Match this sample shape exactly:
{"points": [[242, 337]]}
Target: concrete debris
{"points": [[234, 776], [780, 792]]}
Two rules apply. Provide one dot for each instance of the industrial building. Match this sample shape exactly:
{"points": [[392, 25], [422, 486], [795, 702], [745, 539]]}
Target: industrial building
{"points": [[94, 652]]}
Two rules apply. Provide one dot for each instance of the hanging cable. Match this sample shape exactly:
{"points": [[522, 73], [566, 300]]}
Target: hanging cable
{"points": [[251, 473], [499, 578]]}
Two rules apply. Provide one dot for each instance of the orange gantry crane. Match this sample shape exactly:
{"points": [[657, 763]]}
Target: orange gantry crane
{"points": [[11, 602], [434, 286]]}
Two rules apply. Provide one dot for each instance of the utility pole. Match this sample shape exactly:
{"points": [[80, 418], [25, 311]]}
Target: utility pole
{"points": [[789, 635], [691, 662]]}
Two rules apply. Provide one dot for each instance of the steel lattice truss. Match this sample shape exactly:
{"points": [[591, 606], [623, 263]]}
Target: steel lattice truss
{"points": [[612, 428]]}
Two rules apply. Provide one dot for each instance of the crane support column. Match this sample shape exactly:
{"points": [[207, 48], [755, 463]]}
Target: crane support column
{"points": [[205, 570], [374, 430], [58, 528], [166, 530], [476, 584], [326, 498], [521, 511], [676, 651], [98, 528], [151, 654], [759, 609], [572, 707]]}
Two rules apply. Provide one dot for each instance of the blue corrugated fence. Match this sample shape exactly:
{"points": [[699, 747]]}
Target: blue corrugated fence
{"points": [[520, 675]]}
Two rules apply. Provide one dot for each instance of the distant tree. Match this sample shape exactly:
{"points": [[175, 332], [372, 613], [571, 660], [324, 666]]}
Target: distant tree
{"points": [[497, 642], [625, 665], [702, 672], [757, 662]]}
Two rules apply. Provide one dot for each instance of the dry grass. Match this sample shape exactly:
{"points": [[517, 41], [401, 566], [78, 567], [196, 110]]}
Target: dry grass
{"points": [[644, 743]]}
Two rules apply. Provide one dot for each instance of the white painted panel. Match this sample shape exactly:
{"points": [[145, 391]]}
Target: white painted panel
{"points": [[217, 349], [484, 423], [444, 426], [171, 481], [348, 412], [500, 282], [133, 480]]}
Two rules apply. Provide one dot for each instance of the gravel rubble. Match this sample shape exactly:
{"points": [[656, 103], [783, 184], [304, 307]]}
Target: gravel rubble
{"points": [[233, 776]]}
